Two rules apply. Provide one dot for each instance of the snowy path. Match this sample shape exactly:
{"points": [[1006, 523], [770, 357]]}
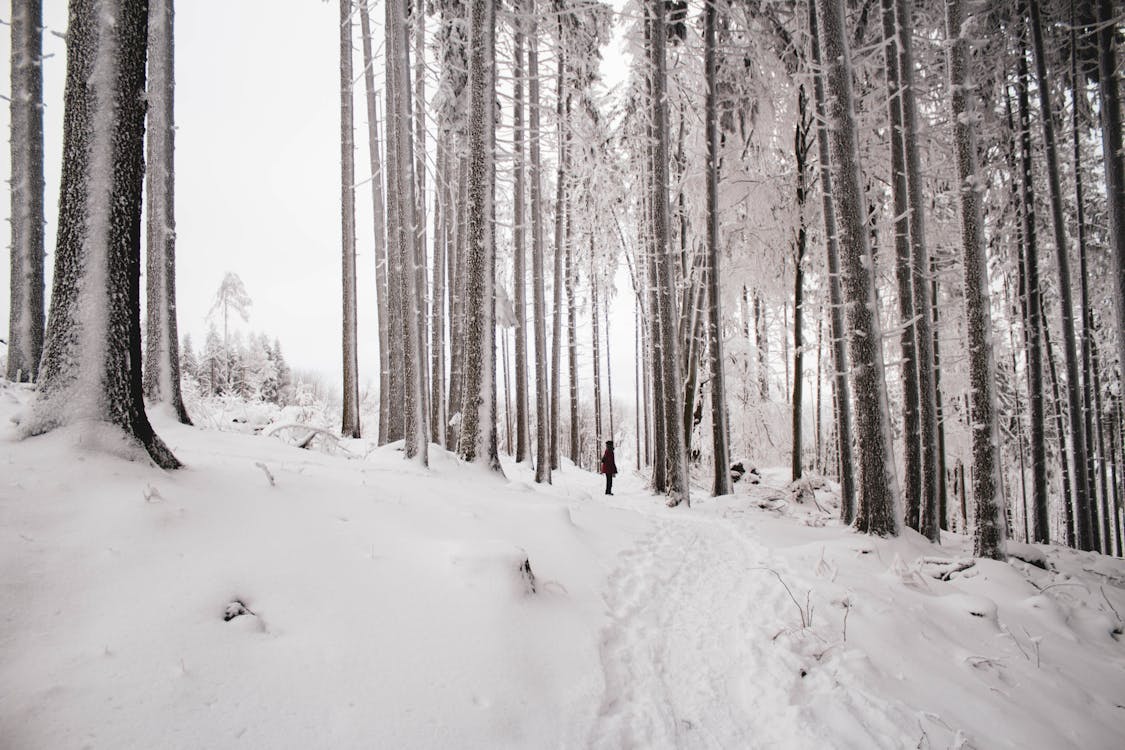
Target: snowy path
{"points": [[688, 656]]}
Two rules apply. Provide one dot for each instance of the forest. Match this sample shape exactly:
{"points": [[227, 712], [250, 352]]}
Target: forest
{"points": [[900, 224]]}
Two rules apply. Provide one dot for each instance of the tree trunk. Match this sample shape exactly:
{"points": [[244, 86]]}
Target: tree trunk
{"points": [[350, 427], [924, 341], [595, 348], [437, 296], [801, 148], [418, 17], [561, 236], [478, 419], [1060, 424], [1087, 537], [572, 336], [25, 329], [396, 413], [943, 510], [542, 412], [378, 203], [678, 490], [91, 367], [841, 389], [162, 342], [911, 408], [518, 235], [878, 510], [1114, 155], [608, 375], [720, 446]]}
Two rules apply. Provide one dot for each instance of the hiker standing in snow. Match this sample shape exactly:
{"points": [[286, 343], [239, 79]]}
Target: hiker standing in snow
{"points": [[609, 467]]}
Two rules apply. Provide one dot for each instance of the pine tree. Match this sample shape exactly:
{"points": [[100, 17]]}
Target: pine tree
{"points": [[350, 426], [91, 368]]}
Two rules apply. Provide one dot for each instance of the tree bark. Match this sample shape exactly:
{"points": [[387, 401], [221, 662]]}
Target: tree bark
{"points": [[91, 367], [350, 427], [542, 410], [162, 342], [801, 148], [878, 510], [518, 236]]}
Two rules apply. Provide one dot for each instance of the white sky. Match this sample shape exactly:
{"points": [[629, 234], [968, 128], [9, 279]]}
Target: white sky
{"points": [[257, 175]]}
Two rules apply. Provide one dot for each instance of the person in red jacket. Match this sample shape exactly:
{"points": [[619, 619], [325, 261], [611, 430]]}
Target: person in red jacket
{"points": [[609, 467]]}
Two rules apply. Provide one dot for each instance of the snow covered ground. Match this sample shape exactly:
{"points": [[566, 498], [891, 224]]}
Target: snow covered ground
{"points": [[387, 606]]}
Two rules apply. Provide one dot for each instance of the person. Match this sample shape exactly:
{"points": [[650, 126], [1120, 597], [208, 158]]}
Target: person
{"points": [[609, 467]]}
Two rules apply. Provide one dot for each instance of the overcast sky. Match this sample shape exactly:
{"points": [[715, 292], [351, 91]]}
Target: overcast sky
{"points": [[257, 174]]}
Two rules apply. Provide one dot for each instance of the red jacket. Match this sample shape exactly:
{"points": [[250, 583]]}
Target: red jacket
{"points": [[609, 466]]}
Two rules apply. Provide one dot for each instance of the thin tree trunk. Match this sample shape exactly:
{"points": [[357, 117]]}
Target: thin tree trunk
{"points": [[350, 427], [1114, 154], [1087, 537], [572, 338], [25, 319], [162, 355], [518, 236], [542, 412], [562, 107], [762, 338], [1060, 424], [378, 203], [878, 510], [720, 444], [943, 509], [595, 348], [841, 389], [437, 307], [418, 14], [608, 374], [801, 148]]}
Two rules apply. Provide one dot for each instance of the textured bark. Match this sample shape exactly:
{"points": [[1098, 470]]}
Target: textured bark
{"points": [[562, 107], [1114, 155], [422, 305], [924, 340], [911, 408], [801, 148], [595, 347], [878, 509], [350, 427], [678, 491], [25, 329], [841, 387], [91, 368], [478, 421], [437, 307], [519, 220], [162, 347], [988, 535], [1034, 320], [397, 406], [572, 336], [378, 202], [1084, 506], [720, 446], [542, 411]]}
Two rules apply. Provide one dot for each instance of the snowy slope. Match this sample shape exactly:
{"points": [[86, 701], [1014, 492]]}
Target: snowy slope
{"points": [[388, 608]]}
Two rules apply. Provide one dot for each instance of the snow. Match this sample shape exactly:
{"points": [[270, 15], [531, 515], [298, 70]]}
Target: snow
{"points": [[373, 602]]}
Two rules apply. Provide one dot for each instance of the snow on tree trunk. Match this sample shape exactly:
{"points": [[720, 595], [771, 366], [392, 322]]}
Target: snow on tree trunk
{"points": [[678, 490], [801, 148], [421, 304], [911, 422], [988, 534], [595, 348], [572, 333], [519, 249], [719, 421], [561, 106], [437, 308], [878, 510], [91, 375], [477, 443], [25, 321], [350, 426], [924, 339], [1087, 538], [378, 202], [162, 355], [397, 404], [1114, 156]]}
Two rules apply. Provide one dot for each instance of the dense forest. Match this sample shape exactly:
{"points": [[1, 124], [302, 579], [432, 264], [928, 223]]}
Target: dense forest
{"points": [[882, 241]]}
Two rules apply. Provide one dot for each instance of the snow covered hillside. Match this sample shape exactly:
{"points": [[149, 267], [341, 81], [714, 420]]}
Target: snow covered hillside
{"points": [[273, 597]]}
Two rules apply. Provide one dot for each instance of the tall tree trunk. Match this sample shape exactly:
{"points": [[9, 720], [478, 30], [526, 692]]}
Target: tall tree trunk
{"points": [[542, 409], [562, 107], [350, 427], [841, 389], [91, 367], [478, 421], [418, 17], [572, 337], [437, 307], [878, 510], [518, 237], [911, 408], [416, 427], [988, 535], [1039, 488], [924, 342], [378, 203], [396, 414], [595, 348], [1060, 423], [678, 491], [720, 446], [25, 329], [1087, 538], [801, 148], [162, 342], [608, 374], [943, 510], [456, 265], [1114, 155]]}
